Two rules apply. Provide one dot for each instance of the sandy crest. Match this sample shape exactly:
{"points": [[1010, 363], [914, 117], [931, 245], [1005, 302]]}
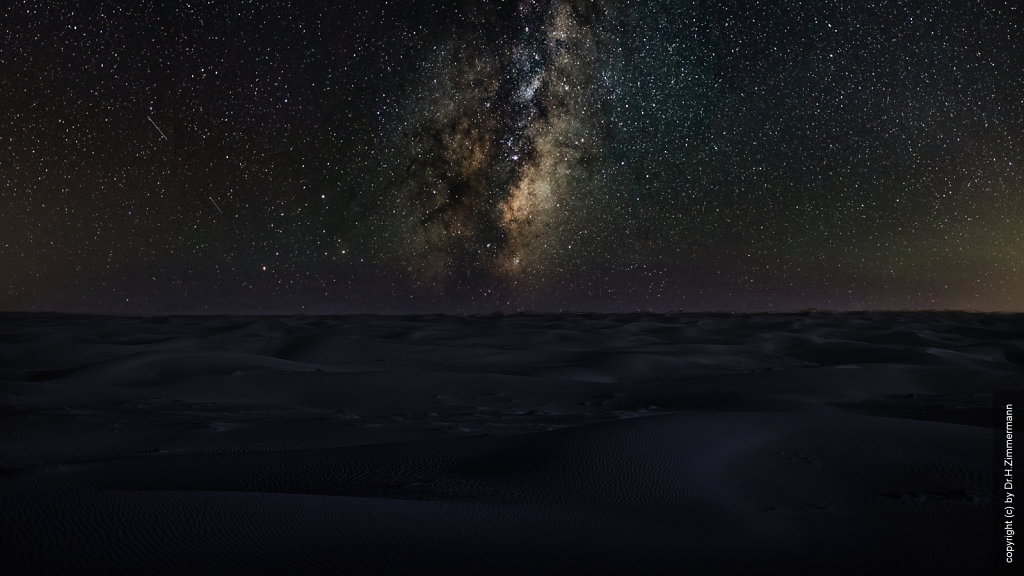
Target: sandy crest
{"points": [[590, 443]]}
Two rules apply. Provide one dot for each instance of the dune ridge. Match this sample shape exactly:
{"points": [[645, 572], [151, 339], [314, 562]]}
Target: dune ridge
{"points": [[584, 443]]}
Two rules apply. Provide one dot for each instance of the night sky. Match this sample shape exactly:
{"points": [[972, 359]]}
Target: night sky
{"points": [[438, 155]]}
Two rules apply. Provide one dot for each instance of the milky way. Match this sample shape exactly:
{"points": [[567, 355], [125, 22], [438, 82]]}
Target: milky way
{"points": [[501, 150]]}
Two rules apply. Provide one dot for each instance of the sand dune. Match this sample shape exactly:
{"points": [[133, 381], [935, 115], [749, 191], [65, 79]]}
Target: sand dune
{"points": [[589, 443]]}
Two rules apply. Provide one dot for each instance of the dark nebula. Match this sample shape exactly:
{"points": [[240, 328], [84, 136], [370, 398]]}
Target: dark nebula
{"points": [[494, 150]]}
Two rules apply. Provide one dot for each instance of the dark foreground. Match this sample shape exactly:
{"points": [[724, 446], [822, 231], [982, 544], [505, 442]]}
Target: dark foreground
{"points": [[853, 443]]}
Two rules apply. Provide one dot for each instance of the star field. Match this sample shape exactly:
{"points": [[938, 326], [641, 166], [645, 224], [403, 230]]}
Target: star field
{"points": [[533, 154]]}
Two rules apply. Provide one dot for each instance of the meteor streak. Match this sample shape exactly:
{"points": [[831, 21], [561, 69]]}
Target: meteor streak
{"points": [[215, 205], [162, 135]]}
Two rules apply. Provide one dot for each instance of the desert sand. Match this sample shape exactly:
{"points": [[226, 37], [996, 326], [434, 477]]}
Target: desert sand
{"points": [[853, 443]]}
